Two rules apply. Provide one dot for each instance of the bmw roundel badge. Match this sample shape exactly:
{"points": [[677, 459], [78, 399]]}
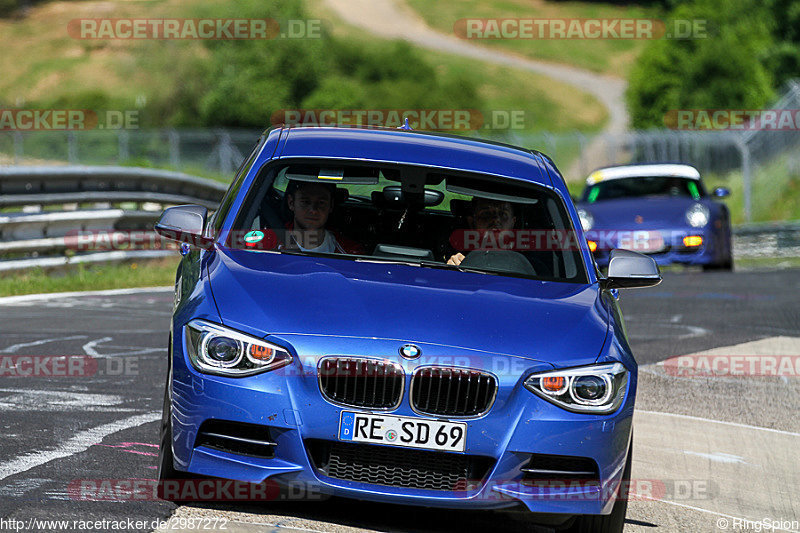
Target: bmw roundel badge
{"points": [[409, 351]]}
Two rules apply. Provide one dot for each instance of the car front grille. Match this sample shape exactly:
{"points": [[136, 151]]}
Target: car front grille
{"points": [[398, 467], [360, 382], [452, 391]]}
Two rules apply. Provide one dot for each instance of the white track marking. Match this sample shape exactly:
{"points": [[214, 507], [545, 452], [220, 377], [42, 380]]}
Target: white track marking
{"points": [[90, 349], [282, 526], [712, 421], [700, 509], [20, 487], [15, 347], [58, 401], [718, 457], [671, 326], [694, 331], [24, 298], [77, 444], [753, 468]]}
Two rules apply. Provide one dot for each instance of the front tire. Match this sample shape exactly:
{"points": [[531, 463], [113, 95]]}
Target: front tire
{"points": [[166, 461], [726, 265], [614, 522]]}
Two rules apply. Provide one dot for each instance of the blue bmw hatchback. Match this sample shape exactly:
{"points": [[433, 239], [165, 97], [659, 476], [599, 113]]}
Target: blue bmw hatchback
{"points": [[403, 317]]}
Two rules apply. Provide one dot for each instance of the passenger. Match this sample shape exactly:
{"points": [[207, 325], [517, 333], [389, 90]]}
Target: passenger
{"points": [[311, 204], [496, 215]]}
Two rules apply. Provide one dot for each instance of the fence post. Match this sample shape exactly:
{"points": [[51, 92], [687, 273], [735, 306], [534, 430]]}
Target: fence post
{"points": [[19, 151], [123, 146], [583, 166], [72, 148], [225, 153], [174, 149], [747, 176]]}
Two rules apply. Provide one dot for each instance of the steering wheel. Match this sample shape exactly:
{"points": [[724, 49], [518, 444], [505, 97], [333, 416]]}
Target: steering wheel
{"points": [[499, 260]]}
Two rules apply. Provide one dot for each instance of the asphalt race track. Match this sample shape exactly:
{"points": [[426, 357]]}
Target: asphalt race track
{"points": [[708, 451]]}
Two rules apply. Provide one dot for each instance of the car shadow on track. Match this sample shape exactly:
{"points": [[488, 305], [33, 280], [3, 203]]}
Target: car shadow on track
{"points": [[368, 516]]}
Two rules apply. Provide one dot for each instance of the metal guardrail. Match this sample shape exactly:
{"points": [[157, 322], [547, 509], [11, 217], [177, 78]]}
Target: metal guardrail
{"points": [[34, 237], [82, 184], [43, 238], [98, 257], [767, 240]]}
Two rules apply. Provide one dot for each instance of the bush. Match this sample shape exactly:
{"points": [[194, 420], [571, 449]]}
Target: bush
{"points": [[243, 83], [725, 70], [8, 7]]}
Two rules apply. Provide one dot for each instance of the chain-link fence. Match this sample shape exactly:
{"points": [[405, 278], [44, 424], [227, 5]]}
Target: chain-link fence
{"points": [[223, 150], [215, 151], [762, 157], [758, 161]]}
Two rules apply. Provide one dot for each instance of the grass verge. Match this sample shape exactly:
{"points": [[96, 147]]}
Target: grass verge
{"points": [[767, 263], [130, 74], [775, 191], [148, 273]]}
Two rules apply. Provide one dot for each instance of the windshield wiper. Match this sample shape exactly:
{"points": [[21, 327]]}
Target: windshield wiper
{"points": [[394, 261], [445, 266]]}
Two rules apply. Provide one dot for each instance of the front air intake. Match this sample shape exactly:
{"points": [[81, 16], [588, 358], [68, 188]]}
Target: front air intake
{"points": [[236, 437]]}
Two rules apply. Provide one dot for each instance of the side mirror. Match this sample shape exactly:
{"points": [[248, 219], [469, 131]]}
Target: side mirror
{"points": [[722, 192], [184, 223], [629, 270]]}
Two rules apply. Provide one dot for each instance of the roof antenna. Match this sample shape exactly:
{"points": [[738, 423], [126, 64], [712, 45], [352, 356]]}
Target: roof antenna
{"points": [[405, 125]]}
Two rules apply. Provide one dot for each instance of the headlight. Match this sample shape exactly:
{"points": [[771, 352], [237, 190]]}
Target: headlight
{"points": [[587, 220], [697, 215], [215, 349], [596, 389]]}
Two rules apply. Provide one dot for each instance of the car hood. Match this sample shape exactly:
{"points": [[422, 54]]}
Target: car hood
{"points": [[655, 212], [285, 295]]}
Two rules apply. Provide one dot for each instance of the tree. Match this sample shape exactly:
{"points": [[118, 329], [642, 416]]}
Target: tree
{"points": [[727, 69]]}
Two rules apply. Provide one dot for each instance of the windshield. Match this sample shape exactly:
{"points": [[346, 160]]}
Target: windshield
{"points": [[640, 186], [411, 215]]}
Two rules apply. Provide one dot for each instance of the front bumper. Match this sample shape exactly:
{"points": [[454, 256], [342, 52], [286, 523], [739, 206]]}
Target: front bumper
{"points": [[289, 402], [664, 245]]}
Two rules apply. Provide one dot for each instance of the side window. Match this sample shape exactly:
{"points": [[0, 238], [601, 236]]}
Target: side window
{"points": [[227, 201]]}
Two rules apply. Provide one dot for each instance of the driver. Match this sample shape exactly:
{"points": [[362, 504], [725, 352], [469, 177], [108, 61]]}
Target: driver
{"points": [[311, 204], [487, 215]]}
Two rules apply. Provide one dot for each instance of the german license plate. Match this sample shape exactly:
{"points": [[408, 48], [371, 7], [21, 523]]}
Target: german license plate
{"points": [[403, 431], [646, 242]]}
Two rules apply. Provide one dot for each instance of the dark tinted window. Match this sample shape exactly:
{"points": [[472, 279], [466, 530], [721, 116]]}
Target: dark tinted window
{"points": [[410, 215], [643, 186], [233, 190]]}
